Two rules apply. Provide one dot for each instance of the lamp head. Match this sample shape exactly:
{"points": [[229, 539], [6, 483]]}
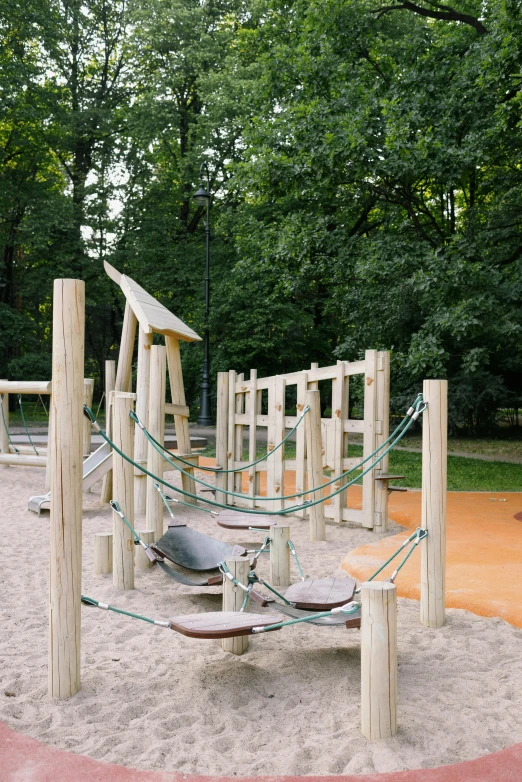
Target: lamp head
{"points": [[201, 196]]}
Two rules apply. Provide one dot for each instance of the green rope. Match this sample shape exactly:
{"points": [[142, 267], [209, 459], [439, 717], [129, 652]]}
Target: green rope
{"points": [[354, 607], [294, 554], [416, 536], [117, 509], [166, 499], [220, 470], [257, 580], [5, 424], [106, 607], [25, 425], [253, 511], [406, 426]]}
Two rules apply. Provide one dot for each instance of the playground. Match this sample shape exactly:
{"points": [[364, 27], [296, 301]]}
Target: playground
{"points": [[182, 671]]}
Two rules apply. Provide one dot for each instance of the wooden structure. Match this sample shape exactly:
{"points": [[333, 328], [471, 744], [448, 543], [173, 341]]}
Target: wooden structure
{"points": [[123, 541], [244, 406], [378, 660], [233, 598], [65, 555], [434, 487], [147, 315]]}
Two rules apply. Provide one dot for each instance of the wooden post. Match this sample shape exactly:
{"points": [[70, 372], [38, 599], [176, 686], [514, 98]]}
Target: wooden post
{"points": [[378, 660], [382, 430], [253, 411], [370, 416], [280, 556], [123, 377], [123, 542], [4, 438], [221, 434], [102, 553], [49, 447], [66, 489], [314, 450], [231, 435], [142, 410], [238, 439], [110, 385], [300, 443], [155, 461], [233, 598], [141, 560], [434, 486], [181, 424], [88, 390]]}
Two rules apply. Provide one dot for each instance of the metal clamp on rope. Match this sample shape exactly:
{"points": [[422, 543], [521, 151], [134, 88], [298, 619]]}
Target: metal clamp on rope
{"points": [[90, 415], [136, 419], [347, 608], [420, 411], [116, 508], [162, 623]]}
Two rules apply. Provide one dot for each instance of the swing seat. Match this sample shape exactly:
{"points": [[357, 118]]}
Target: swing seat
{"points": [[321, 594], [221, 624], [193, 550], [337, 620], [232, 519]]}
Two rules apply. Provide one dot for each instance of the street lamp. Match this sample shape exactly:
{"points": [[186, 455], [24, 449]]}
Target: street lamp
{"points": [[202, 198]]}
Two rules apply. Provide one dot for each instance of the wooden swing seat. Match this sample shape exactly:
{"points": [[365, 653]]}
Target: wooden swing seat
{"points": [[231, 519], [221, 624], [321, 594]]}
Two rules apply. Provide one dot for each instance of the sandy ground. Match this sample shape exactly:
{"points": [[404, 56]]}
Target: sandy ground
{"points": [[154, 699]]}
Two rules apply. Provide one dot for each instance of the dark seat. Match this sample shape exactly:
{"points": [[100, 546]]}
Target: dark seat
{"points": [[193, 550]]}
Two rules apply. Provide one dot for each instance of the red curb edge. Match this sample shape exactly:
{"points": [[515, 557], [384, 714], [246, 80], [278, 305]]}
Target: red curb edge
{"points": [[23, 759]]}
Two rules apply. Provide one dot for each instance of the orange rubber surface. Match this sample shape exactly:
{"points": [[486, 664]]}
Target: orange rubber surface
{"points": [[484, 552]]}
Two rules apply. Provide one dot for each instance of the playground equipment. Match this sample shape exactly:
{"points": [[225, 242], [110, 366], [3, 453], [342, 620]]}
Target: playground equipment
{"points": [[19, 455], [153, 318], [378, 600], [241, 406]]}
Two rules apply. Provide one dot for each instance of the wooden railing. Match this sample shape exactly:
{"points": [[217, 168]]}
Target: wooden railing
{"points": [[244, 406]]}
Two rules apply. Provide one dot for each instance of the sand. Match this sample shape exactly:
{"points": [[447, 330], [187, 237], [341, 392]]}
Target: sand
{"points": [[154, 699]]}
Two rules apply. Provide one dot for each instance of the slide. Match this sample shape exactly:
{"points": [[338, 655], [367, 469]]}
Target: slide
{"points": [[94, 468]]}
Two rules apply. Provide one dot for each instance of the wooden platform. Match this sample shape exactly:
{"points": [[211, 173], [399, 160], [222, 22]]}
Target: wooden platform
{"points": [[233, 519], [321, 594], [221, 624]]}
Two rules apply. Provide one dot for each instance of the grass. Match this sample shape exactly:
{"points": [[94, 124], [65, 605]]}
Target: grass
{"points": [[464, 474]]}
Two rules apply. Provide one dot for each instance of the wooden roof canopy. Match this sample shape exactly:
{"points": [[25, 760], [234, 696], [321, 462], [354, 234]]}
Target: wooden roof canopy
{"points": [[150, 313]]}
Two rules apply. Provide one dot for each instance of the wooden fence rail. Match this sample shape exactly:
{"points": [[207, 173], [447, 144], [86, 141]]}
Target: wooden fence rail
{"points": [[245, 406]]}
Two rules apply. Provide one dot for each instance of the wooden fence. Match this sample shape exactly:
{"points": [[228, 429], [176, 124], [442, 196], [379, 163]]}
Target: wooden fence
{"points": [[244, 406]]}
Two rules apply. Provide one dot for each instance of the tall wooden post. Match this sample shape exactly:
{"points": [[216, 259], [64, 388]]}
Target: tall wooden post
{"points": [[378, 660], [382, 430], [49, 446], [4, 438], [280, 556], [434, 487], [314, 451], [88, 390], [221, 434], [66, 489], [110, 385], [177, 390], [142, 410], [155, 461], [122, 540], [123, 377], [233, 598], [370, 417]]}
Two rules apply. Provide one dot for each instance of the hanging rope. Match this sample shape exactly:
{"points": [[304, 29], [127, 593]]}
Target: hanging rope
{"points": [[5, 424], [167, 498], [411, 416], [416, 537], [25, 425], [90, 601], [219, 470]]}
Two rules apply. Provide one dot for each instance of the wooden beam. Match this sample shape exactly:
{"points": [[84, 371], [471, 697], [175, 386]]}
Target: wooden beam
{"points": [[88, 390], [123, 542], [315, 464], [65, 552], [280, 555], [233, 597], [155, 461], [142, 410], [177, 390], [434, 487], [25, 387]]}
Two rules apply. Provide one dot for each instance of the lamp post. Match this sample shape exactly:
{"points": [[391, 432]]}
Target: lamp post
{"points": [[202, 198]]}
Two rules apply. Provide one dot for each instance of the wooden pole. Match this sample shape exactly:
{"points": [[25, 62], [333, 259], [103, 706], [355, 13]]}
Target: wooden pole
{"points": [[88, 390], [66, 489], [233, 598], [370, 418], [110, 385], [123, 377], [280, 556], [49, 447], [102, 553], [378, 660], [314, 451], [177, 390], [221, 434], [155, 461], [123, 542], [382, 430], [141, 560], [142, 410], [4, 439], [434, 487]]}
